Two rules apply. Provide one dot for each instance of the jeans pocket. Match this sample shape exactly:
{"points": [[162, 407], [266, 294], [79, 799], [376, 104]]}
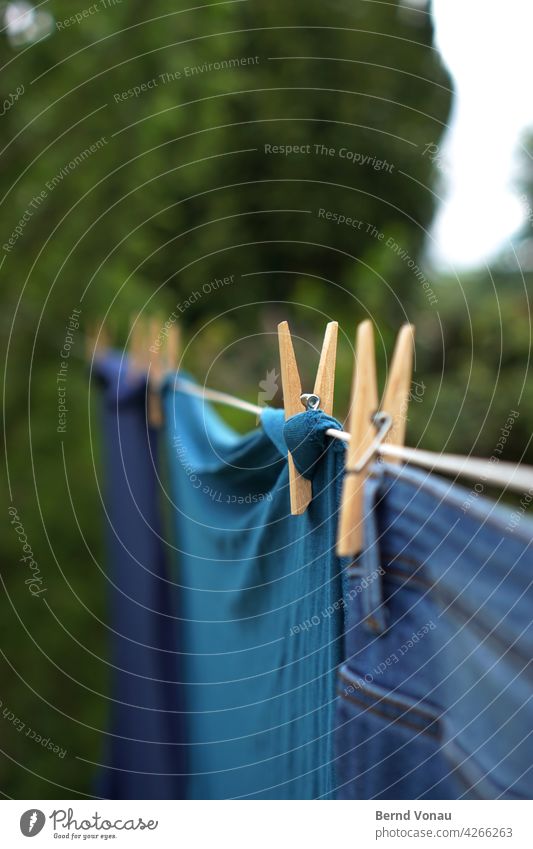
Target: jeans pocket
{"points": [[387, 744]]}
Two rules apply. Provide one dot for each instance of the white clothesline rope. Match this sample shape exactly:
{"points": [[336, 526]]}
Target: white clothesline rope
{"points": [[214, 395], [513, 476]]}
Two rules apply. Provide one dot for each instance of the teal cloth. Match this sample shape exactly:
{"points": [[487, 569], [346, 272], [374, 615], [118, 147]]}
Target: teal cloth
{"points": [[261, 601]]}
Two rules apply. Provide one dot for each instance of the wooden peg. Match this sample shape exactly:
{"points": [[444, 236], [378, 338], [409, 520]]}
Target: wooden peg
{"points": [[90, 342], [173, 348], [300, 487], [137, 344], [103, 340], [397, 391], [364, 403], [97, 341], [325, 376], [156, 345]]}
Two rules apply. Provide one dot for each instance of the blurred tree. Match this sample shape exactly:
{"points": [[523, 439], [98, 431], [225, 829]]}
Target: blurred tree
{"points": [[473, 357], [478, 343], [169, 197]]}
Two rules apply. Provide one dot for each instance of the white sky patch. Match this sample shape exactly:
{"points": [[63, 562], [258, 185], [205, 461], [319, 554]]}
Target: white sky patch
{"points": [[486, 46]]}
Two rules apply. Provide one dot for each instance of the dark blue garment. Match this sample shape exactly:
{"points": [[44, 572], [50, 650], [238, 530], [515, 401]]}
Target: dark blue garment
{"points": [[435, 697], [144, 755], [262, 600]]}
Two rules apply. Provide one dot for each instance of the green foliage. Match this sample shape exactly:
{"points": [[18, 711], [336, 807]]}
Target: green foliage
{"points": [[474, 357]]}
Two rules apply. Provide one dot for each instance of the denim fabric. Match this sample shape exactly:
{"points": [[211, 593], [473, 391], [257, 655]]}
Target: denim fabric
{"points": [[143, 751], [262, 600], [435, 697]]}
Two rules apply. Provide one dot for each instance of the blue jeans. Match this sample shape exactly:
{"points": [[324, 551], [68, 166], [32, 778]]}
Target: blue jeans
{"points": [[435, 695]]}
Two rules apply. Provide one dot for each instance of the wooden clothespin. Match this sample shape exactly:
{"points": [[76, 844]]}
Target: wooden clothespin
{"points": [[97, 341], [138, 359], [90, 342], [163, 343], [362, 427], [156, 345], [173, 348], [300, 487]]}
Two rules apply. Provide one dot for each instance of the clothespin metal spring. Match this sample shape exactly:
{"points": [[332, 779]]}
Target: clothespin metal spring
{"points": [[310, 401], [383, 423]]}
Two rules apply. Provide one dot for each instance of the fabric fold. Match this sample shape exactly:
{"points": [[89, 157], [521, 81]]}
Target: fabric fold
{"points": [[305, 437]]}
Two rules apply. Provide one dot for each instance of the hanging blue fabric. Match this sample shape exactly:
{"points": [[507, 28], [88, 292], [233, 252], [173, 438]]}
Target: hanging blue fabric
{"points": [[435, 694], [144, 755], [262, 600]]}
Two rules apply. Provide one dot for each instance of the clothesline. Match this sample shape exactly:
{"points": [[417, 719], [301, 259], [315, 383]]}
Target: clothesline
{"points": [[513, 476]]}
